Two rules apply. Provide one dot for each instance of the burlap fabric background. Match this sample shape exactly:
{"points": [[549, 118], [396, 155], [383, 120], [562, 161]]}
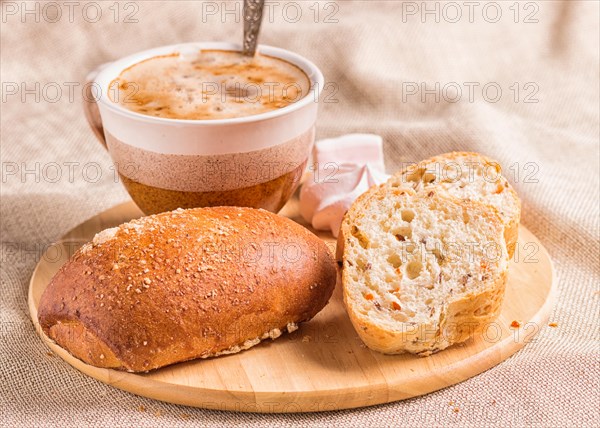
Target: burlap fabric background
{"points": [[547, 131]]}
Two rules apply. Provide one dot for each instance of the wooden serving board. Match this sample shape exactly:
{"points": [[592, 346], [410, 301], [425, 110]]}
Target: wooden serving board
{"points": [[324, 365]]}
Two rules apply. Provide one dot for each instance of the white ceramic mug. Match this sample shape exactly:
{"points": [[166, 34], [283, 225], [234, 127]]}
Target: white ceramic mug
{"points": [[165, 164]]}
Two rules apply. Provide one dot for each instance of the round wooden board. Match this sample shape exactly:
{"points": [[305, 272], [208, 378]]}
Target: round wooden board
{"points": [[324, 365]]}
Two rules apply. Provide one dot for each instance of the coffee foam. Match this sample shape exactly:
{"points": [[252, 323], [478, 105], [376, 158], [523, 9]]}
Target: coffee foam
{"points": [[208, 84]]}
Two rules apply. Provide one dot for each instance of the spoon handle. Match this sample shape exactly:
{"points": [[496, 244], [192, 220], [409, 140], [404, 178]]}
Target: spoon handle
{"points": [[253, 10]]}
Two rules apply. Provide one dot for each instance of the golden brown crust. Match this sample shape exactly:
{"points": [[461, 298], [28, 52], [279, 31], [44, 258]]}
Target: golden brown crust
{"points": [[83, 344], [511, 230], [186, 284]]}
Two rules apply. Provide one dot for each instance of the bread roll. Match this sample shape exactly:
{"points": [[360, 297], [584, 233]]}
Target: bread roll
{"points": [[421, 271], [186, 284], [467, 176]]}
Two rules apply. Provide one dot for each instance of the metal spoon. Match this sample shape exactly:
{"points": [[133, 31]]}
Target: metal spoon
{"points": [[253, 10]]}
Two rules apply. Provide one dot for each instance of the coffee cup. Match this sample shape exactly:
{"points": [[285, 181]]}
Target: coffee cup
{"points": [[167, 163]]}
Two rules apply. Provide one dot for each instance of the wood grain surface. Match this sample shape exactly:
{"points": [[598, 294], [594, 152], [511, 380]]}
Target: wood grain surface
{"points": [[324, 365]]}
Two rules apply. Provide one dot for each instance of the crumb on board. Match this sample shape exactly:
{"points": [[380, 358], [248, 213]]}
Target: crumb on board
{"points": [[456, 409], [552, 324], [50, 354], [515, 324], [306, 338], [142, 409]]}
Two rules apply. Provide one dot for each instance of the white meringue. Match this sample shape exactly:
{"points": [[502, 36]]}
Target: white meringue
{"points": [[345, 167]]}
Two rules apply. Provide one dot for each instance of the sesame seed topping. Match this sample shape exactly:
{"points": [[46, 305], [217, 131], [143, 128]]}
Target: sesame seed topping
{"points": [[142, 262], [137, 290]]}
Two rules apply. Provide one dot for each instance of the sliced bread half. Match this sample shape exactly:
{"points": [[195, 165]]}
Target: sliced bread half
{"points": [[467, 176], [421, 271]]}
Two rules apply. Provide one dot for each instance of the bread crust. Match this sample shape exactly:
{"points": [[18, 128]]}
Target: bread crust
{"points": [[464, 316], [186, 284]]}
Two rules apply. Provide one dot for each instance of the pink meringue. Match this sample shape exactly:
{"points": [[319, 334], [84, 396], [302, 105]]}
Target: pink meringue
{"points": [[345, 167]]}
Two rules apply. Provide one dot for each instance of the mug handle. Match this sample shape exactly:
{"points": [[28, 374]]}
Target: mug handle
{"points": [[90, 107]]}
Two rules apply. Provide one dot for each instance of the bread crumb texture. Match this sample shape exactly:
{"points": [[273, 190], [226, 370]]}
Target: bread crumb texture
{"points": [[469, 177], [422, 269]]}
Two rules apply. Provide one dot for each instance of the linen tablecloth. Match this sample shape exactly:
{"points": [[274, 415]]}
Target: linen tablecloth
{"points": [[515, 81]]}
